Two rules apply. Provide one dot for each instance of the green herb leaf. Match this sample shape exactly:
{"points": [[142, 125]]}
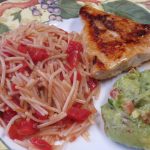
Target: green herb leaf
{"points": [[128, 9], [3, 28], [69, 8], [17, 16], [110, 102]]}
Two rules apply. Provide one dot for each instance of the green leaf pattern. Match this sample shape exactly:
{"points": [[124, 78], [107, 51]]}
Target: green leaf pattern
{"points": [[17, 16], [3, 28], [69, 8], [129, 10]]}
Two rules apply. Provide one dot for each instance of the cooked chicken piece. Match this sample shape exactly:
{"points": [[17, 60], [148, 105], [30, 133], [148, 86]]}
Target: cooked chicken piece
{"points": [[113, 44]]}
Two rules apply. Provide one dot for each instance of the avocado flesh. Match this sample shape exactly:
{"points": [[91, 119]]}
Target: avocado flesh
{"points": [[122, 127]]}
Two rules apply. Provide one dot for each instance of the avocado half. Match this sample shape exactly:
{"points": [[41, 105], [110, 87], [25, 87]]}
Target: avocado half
{"points": [[129, 129]]}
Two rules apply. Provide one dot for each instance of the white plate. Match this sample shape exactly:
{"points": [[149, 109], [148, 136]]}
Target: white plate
{"points": [[98, 139]]}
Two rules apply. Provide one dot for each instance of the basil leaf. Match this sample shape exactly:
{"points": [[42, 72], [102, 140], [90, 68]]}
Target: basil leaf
{"points": [[17, 15], [69, 8], [3, 28], [129, 10]]}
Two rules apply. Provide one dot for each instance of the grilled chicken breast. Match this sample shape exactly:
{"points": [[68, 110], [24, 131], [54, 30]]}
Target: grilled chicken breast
{"points": [[113, 44]]}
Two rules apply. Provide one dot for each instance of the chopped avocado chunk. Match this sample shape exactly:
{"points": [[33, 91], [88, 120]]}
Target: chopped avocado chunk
{"points": [[131, 111]]}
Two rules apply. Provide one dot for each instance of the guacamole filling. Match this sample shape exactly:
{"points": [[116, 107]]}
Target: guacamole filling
{"points": [[127, 113]]}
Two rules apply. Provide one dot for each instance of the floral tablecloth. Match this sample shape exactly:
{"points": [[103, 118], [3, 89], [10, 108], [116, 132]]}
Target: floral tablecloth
{"points": [[14, 12]]}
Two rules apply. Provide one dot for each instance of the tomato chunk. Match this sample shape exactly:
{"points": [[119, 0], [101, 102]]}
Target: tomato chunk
{"points": [[78, 114], [7, 115], [13, 134], [114, 93], [27, 127], [13, 86], [92, 83], [22, 128], [74, 53], [16, 100], [8, 54], [128, 107], [37, 54], [39, 116], [23, 48], [24, 68], [40, 144]]}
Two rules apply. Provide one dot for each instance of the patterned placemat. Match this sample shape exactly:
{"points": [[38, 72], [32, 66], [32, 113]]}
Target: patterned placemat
{"points": [[14, 12]]}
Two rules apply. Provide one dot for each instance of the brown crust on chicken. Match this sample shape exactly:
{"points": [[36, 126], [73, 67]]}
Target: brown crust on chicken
{"points": [[112, 39]]}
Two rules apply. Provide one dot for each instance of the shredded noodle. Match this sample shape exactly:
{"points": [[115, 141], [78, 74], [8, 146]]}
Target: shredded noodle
{"points": [[37, 87]]}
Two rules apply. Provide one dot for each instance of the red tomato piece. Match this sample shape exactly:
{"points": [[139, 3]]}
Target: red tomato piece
{"points": [[73, 59], [13, 134], [61, 76], [24, 68], [92, 83], [77, 105], [39, 116], [128, 107], [8, 54], [78, 114], [23, 48], [7, 115], [74, 53], [40, 144], [22, 128], [74, 45], [37, 54], [114, 93], [67, 122], [27, 128], [13, 86], [16, 99]]}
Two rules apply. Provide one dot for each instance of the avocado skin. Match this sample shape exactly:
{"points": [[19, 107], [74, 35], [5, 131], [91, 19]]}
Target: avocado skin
{"points": [[124, 130], [120, 126]]}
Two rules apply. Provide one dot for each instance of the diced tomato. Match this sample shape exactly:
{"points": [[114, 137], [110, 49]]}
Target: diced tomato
{"points": [[74, 53], [92, 83], [13, 134], [23, 48], [13, 86], [37, 54], [114, 93], [16, 100], [8, 54], [40, 144], [22, 128], [24, 68], [7, 115], [78, 114], [66, 122], [61, 76], [77, 105], [74, 45], [73, 59], [27, 128], [128, 107], [79, 77], [39, 116], [86, 95]]}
